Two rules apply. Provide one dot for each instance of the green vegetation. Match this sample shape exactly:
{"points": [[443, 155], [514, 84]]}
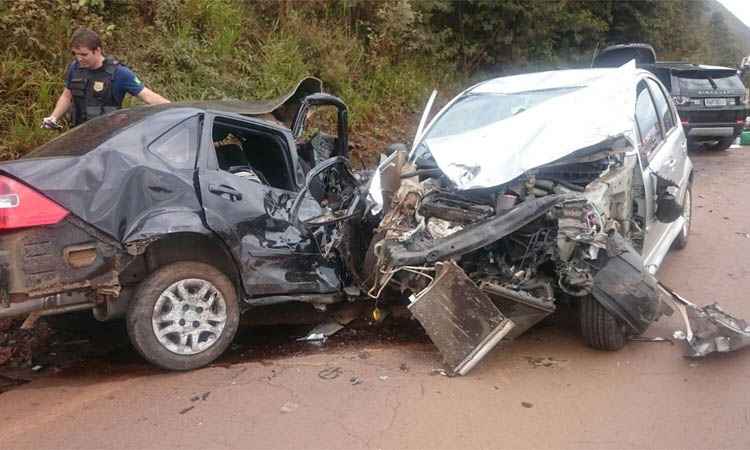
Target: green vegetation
{"points": [[382, 57]]}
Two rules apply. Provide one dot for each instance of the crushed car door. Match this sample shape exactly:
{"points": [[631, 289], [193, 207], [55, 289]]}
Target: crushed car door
{"points": [[247, 184], [662, 160]]}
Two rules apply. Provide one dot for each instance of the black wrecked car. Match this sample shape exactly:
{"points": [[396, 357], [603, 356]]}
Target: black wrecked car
{"points": [[711, 100], [177, 217]]}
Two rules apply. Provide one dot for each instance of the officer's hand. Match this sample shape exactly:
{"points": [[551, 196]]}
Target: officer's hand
{"points": [[50, 123]]}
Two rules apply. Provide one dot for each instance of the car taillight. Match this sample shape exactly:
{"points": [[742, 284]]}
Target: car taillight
{"points": [[22, 206]]}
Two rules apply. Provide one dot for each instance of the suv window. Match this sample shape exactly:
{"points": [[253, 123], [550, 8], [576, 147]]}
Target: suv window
{"points": [[662, 106], [179, 146], [648, 121], [708, 81]]}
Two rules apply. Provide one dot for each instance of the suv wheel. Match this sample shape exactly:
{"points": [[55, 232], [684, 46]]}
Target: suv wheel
{"points": [[183, 316], [687, 212], [600, 329], [722, 144]]}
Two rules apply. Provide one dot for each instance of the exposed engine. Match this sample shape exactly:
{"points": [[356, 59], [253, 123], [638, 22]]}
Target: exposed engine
{"points": [[545, 252]]}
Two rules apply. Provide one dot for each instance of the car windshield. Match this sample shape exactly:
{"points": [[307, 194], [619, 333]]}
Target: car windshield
{"points": [[478, 110], [701, 81]]}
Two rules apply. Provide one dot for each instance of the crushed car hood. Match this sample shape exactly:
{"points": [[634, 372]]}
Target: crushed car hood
{"points": [[599, 110]]}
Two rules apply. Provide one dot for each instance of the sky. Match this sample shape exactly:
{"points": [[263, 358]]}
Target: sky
{"points": [[740, 8]]}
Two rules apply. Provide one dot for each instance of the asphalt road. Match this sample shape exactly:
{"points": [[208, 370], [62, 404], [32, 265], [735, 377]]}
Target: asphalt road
{"points": [[546, 390]]}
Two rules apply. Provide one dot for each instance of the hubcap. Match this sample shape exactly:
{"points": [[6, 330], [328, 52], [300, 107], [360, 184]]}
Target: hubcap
{"points": [[189, 316]]}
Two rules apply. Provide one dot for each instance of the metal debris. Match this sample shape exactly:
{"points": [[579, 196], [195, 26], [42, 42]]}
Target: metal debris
{"points": [[709, 329], [322, 332], [289, 407], [460, 319]]}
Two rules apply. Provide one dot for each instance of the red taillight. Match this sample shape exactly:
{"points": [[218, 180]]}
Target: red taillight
{"points": [[21, 206]]}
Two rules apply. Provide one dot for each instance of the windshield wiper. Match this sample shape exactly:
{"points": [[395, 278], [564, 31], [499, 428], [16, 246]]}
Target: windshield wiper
{"points": [[713, 83]]}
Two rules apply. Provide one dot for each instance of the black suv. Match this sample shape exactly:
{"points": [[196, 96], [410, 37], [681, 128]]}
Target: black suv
{"points": [[711, 100]]}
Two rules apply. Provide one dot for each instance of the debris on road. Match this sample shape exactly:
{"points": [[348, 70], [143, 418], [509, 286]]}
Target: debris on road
{"points": [[322, 332], [289, 407], [709, 329], [546, 362]]}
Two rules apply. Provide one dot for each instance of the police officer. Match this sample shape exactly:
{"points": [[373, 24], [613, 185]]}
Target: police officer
{"points": [[95, 84]]}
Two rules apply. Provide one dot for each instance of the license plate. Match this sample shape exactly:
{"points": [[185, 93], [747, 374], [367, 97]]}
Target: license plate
{"points": [[716, 102]]}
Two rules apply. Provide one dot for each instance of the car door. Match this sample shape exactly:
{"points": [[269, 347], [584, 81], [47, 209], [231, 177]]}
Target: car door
{"points": [[247, 184], [662, 152]]}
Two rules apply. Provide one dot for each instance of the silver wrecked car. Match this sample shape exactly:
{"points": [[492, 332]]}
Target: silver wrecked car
{"points": [[528, 191]]}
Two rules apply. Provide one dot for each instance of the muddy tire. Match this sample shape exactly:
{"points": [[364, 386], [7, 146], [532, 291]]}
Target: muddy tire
{"points": [[600, 329], [183, 316], [681, 240]]}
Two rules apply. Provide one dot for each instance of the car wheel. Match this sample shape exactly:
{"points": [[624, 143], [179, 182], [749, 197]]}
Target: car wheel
{"points": [[687, 212], [722, 144], [183, 316], [601, 330]]}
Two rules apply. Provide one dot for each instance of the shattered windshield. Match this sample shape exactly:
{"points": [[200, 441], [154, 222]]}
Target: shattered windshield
{"points": [[478, 110]]}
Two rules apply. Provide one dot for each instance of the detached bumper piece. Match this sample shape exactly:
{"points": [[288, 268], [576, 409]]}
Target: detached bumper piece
{"points": [[460, 319], [623, 288], [709, 329]]}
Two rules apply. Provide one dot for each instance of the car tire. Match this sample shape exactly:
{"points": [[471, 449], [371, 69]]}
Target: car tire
{"points": [[600, 329], [681, 240], [722, 144], [183, 316]]}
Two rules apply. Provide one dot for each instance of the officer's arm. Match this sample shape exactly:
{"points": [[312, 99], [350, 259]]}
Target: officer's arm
{"points": [[62, 105], [152, 98]]}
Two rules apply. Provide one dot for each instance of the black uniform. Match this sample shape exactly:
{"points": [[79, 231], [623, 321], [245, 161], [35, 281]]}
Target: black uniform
{"points": [[100, 91]]}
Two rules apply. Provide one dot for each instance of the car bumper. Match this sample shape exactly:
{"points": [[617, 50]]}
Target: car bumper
{"points": [[706, 123], [56, 266]]}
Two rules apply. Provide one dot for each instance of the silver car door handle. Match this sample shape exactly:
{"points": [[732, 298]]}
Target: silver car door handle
{"points": [[671, 163]]}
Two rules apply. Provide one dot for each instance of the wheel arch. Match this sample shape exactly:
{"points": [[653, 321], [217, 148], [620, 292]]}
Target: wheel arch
{"points": [[155, 253]]}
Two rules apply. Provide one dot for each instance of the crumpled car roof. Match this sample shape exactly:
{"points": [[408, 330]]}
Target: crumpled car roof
{"points": [[602, 109]]}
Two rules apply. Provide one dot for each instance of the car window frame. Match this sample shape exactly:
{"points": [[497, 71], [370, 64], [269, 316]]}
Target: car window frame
{"points": [[207, 151], [650, 155], [169, 133], [657, 85]]}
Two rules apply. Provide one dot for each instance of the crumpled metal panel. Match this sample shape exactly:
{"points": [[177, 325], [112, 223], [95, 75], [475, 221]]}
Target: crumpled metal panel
{"points": [[460, 319], [709, 329], [624, 288]]}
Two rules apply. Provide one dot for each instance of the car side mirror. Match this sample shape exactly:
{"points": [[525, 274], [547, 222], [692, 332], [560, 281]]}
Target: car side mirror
{"points": [[331, 194]]}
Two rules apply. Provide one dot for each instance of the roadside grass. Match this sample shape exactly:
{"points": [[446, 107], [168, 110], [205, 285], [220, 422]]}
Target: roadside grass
{"points": [[219, 49]]}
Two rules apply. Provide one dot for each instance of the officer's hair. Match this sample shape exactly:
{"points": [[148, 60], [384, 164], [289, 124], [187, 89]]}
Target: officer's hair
{"points": [[84, 37]]}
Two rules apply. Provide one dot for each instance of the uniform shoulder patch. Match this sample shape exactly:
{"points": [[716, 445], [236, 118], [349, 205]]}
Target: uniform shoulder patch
{"points": [[137, 80]]}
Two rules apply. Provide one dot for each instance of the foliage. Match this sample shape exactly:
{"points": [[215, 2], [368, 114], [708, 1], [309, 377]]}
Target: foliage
{"points": [[381, 56]]}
